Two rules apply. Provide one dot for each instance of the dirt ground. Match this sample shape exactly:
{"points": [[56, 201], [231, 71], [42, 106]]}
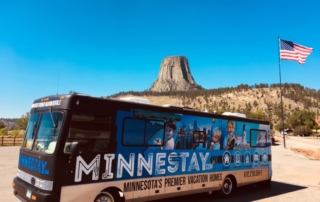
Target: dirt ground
{"points": [[310, 153]]}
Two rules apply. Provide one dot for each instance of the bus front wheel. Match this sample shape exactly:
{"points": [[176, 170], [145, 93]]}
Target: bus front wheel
{"points": [[106, 196], [228, 186]]}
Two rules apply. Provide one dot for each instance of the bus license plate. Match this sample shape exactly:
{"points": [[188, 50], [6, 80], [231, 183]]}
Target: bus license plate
{"points": [[28, 194]]}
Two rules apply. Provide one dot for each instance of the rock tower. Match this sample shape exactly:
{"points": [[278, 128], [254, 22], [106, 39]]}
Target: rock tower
{"points": [[174, 75]]}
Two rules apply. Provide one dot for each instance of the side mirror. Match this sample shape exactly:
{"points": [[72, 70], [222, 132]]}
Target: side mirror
{"points": [[74, 149]]}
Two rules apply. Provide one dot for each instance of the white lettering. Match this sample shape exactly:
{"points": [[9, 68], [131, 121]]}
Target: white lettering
{"points": [[82, 166], [122, 163], [164, 162], [46, 104], [147, 165], [194, 163], [108, 174], [172, 159], [159, 163], [204, 159], [184, 156]]}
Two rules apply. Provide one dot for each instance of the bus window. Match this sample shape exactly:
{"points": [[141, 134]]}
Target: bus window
{"points": [[142, 132], [31, 131], [258, 138], [48, 132], [91, 132]]}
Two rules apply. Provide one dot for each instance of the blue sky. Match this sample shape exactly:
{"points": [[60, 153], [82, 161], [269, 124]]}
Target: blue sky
{"points": [[103, 47]]}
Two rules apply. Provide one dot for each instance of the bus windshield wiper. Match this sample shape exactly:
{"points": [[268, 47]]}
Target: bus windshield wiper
{"points": [[54, 125]]}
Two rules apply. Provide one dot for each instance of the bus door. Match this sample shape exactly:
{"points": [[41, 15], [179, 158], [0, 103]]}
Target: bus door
{"points": [[90, 135]]}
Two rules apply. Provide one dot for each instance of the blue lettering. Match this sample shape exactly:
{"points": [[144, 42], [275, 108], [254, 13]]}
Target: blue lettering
{"points": [[29, 163], [33, 164], [44, 171]]}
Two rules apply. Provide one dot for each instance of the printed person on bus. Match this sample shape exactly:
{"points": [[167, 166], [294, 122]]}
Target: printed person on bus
{"points": [[229, 140], [215, 141], [170, 129], [262, 139]]}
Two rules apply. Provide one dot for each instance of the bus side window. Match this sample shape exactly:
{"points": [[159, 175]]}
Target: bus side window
{"points": [[258, 138], [91, 132], [102, 142], [82, 142], [142, 132]]}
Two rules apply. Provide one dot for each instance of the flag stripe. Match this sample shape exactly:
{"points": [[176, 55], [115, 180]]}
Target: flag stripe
{"points": [[293, 51]]}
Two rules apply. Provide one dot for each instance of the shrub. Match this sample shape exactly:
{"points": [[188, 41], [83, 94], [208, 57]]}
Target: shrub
{"points": [[3, 132]]}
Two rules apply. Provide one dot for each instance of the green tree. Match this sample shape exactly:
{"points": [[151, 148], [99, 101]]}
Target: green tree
{"points": [[302, 121], [258, 114], [280, 127], [2, 125], [23, 121], [3, 132]]}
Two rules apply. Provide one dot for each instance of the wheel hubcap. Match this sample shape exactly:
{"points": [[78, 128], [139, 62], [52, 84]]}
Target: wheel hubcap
{"points": [[104, 199], [227, 186]]}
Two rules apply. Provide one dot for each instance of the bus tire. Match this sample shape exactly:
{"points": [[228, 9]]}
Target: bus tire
{"points": [[228, 186], [268, 184], [108, 196]]}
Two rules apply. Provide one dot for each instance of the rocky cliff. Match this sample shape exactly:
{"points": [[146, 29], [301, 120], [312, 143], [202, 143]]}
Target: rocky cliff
{"points": [[175, 75]]}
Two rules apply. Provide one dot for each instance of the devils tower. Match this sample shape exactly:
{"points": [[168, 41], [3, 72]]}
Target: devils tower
{"points": [[174, 75]]}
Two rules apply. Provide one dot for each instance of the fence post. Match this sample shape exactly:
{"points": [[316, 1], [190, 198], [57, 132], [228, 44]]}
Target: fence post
{"points": [[14, 141], [2, 141]]}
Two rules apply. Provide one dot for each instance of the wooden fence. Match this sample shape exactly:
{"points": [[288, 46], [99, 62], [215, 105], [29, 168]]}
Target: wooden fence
{"points": [[10, 141]]}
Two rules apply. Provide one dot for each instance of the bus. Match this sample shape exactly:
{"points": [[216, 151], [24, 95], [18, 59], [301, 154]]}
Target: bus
{"points": [[84, 148]]}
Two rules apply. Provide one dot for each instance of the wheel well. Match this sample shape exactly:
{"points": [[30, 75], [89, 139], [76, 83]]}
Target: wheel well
{"points": [[233, 179], [114, 190]]}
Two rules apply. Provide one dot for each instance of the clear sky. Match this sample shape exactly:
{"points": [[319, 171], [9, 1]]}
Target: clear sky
{"points": [[103, 47]]}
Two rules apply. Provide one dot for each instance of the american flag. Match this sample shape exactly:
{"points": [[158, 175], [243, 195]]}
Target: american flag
{"points": [[293, 51]]}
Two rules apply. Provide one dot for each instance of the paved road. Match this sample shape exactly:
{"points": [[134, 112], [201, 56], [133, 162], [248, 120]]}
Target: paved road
{"points": [[300, 142], [295, 177], [8, 170]]}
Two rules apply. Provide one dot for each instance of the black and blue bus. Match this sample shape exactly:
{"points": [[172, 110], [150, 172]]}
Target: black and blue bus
{"points": [[83, 148]]}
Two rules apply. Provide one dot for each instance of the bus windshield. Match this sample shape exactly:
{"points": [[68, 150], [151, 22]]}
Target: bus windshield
{"points": [[43, 131]]}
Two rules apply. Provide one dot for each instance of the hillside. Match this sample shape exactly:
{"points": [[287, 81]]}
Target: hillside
{"points": [[243, 98], [9, 124]]}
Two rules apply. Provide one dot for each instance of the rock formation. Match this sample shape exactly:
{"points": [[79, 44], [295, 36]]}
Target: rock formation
{"points": [[174, 75]]}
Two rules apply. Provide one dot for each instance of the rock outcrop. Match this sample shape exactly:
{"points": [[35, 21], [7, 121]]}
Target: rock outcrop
{"points": [[174, 75]]}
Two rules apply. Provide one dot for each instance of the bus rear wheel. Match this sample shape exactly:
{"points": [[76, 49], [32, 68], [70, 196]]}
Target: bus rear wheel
{"points": [[228, 186], [107, 197]]}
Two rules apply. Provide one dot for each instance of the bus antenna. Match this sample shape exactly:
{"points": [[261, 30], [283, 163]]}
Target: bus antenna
{"points": [[58, 81]]}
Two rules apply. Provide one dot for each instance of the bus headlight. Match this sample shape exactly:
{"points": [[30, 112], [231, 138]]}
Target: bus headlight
{"points": [[39, 183], [43, 184]]}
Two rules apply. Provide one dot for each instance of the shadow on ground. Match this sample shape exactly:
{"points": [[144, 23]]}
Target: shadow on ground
{"points": [[245, 193]]}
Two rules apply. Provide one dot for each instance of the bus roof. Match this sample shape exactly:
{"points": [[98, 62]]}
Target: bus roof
{"points": [[62, 101]]}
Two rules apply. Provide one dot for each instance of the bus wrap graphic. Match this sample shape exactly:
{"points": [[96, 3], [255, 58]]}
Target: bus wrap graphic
{"points": [[237, 158], [136, 165]]}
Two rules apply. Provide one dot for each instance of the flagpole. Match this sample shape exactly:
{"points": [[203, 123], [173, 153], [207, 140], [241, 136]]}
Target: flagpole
{"points": [[284, 139]]}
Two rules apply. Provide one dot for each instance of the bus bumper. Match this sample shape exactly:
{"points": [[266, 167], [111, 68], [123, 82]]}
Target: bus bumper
{"points": [[25, 192]]}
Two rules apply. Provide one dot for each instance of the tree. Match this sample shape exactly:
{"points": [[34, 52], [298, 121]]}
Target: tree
{"points": [[302, 121], [3, 132], [258, 114], [280, 127], [2, 125], [23, 121]]}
